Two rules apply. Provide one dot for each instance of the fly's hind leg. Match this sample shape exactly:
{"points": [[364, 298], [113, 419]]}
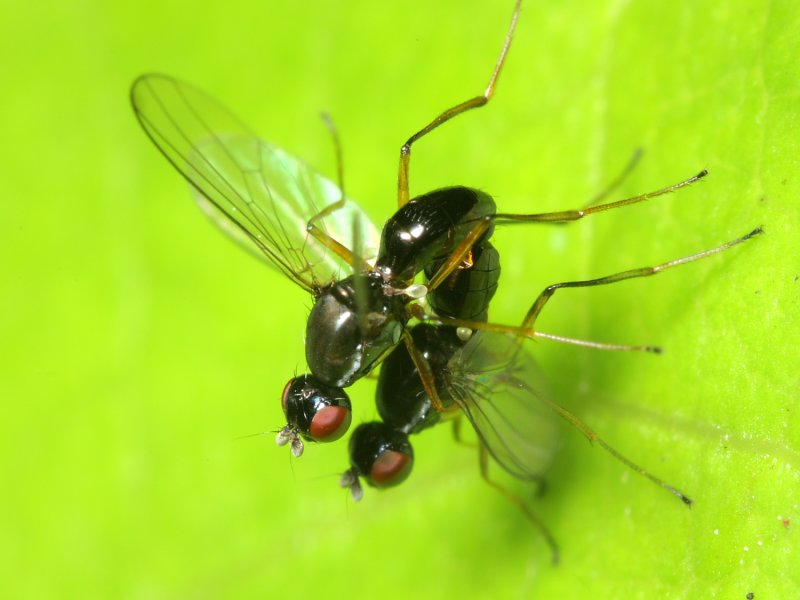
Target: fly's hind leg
{"points": [[565, 216], [478, 101], [527, 330], [516, 500], [482, 225], [617, 181], [541, 484], [547, 293], [458, 434], [593, 438]]}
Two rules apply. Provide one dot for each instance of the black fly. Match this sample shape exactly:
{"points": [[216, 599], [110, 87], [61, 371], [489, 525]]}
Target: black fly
{"points": [[366, 290]]}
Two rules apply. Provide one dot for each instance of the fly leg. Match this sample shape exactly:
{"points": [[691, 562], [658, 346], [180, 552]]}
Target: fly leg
{"points": [[457, 256], [617, 181], [425, 373], [351, 256], [574, 215], [593, 438], [547, 293], [481, 226], [478, 101], [457, 433], [522, 332], [483, 456], [526, 330]]}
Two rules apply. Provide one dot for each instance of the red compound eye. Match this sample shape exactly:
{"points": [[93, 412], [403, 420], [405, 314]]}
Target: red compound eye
{"points": [[315, 411], [390, 468], [380, 454], [330, 423]]}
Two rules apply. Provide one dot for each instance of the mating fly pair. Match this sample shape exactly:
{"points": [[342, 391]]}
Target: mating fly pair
{"points": [[454, 362]]}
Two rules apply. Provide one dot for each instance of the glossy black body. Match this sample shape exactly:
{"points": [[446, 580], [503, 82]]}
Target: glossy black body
{"points": [[342, 345], [351, 329], [357, 322], [430, 227], [401, 399], [466, 294]]}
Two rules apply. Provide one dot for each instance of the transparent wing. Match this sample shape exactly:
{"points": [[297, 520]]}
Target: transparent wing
{"points": [[499, 388], [258, 194]]}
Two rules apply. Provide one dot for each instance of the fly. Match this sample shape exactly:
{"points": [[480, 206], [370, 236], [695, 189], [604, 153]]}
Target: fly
{"points": [[304, 226], [486, 376]]}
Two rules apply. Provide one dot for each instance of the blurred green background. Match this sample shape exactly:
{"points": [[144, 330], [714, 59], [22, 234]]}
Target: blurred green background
{"points": [[139, 344]]}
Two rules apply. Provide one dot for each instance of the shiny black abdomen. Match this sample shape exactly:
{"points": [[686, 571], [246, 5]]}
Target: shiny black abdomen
{"points": [[400, 397], [430, 227], [467, 291]]}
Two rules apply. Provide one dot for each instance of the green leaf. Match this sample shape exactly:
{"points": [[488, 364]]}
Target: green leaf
{"points": [[140, 344]]}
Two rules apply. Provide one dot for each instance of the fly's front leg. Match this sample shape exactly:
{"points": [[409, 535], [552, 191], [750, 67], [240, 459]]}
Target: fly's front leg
{"points": [[337, 148], [350, 256], [311, 227]]}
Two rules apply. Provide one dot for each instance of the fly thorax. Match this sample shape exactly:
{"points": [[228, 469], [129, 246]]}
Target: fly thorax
{"points": [[351, 327]]}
